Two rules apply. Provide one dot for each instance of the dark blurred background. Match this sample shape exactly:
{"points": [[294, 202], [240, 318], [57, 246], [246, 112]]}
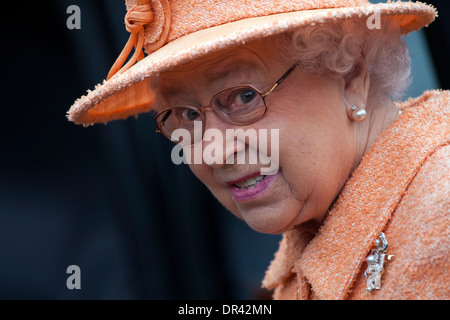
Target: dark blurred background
{"points": [[108, 198]]}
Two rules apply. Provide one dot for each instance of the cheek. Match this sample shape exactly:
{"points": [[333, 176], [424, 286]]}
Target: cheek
{"points": [[316, 144]]}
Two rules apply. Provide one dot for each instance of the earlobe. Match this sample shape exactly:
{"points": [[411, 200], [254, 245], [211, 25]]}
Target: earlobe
{"points": [[357, 114]]}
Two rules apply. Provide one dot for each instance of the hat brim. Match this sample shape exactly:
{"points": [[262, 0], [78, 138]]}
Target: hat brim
{"points": [[130, 93]]}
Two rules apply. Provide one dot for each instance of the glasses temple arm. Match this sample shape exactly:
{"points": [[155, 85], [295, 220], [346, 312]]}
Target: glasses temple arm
{"points": [[164, 119], [284, 76]]}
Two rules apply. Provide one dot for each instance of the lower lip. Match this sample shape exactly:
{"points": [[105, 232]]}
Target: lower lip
{"points": [[242, 195]]}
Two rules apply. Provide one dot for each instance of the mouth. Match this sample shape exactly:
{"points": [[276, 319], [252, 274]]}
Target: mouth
{"points": [[251, 187], [247, 181]]}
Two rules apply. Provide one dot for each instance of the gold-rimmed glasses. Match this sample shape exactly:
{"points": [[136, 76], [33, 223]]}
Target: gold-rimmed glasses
{"points": [[240, 105]]}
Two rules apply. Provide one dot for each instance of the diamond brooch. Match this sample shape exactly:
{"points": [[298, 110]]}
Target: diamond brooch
{"points": [[376, 262]]}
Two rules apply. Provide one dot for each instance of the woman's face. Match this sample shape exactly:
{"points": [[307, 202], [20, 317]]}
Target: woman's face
{"points": [[316, 140]]}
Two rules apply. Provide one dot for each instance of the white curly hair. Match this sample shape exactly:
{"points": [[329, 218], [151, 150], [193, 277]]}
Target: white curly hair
{"points": [[341, 48]]}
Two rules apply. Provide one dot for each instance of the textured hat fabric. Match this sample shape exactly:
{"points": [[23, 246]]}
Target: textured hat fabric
{"points": [[178, 31]]}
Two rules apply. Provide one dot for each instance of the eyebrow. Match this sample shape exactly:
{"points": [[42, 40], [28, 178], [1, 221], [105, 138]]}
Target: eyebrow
{"points": [[214, 74], [240, 66], [231, 64]]}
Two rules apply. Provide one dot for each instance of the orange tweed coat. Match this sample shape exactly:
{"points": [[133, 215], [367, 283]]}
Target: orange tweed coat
{"points": [[401, 188]]}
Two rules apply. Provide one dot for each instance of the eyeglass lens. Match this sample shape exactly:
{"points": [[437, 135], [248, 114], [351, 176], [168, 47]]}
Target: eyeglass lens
{"points": [[239, 105]]}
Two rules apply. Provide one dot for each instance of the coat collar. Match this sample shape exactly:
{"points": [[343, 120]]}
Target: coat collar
{"points": [[331, 261]]}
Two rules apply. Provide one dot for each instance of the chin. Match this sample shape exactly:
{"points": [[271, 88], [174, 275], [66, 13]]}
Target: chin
{"points": [[268, 229], [268, 222]]}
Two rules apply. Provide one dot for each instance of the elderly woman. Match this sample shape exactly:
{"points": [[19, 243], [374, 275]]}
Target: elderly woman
{"points": [[356, 178]]}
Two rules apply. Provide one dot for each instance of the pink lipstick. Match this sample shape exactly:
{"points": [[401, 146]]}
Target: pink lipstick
{"points": [[251, 187]]}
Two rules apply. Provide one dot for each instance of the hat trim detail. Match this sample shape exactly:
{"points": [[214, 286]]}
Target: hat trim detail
{"points": [[136, 18]]}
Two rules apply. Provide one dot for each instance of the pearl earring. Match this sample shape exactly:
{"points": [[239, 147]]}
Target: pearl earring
{"points": [[358, 115]]}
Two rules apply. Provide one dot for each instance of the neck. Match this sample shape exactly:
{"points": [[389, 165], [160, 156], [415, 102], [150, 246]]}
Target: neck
{"points": [[379, 118]]}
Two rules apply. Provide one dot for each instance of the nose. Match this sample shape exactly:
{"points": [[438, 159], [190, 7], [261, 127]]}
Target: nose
{"points": [[219, 149]]}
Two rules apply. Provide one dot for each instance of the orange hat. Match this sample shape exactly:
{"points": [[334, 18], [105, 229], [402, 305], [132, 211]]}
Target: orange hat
{"points": [[173, 32]]}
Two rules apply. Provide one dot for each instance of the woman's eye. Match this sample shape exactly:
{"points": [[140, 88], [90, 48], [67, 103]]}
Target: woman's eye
{"points": [[241, 98], [190, 115], [244, 97]]}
